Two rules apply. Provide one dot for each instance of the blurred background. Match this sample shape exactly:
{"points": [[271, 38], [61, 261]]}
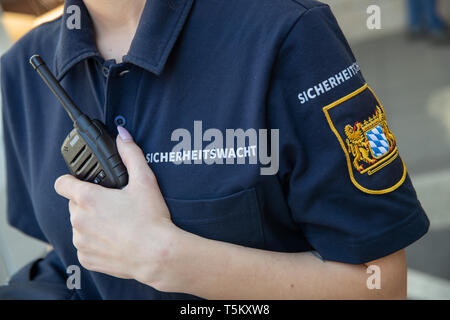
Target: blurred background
{"points": [[405, 59]]}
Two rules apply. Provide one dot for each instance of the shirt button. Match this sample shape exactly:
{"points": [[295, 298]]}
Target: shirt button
{"points": [[120, 121], [105, 71]]}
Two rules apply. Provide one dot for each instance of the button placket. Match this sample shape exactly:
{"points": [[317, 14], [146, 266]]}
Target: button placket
{"points": [[105, 71], [114, 73]]}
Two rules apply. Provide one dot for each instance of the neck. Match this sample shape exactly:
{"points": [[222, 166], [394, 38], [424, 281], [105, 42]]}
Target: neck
{"points": [[115, 23], [115, 14]]}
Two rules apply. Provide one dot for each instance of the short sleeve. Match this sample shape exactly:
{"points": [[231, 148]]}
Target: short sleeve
{"points": [[347, 187], [20, 211]]}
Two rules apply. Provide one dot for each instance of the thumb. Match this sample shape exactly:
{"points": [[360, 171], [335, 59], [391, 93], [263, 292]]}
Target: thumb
{"points": [[132, 156]]}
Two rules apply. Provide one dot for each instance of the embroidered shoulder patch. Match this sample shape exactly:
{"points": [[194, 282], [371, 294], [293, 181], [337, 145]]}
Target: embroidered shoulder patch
{"points": [[359, 123]]}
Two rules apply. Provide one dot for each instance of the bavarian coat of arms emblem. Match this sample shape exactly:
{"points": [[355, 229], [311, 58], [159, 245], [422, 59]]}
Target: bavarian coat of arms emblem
{"points": [[359, 122]]}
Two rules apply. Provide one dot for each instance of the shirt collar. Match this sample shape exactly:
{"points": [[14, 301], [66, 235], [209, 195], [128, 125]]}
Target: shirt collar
{"points": [[157, 32]]}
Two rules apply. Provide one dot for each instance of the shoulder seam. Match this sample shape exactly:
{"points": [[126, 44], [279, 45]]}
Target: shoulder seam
{"points": [[298, 19], [300, 4]]}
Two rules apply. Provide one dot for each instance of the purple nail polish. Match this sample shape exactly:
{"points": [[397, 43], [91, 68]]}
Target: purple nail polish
{"points": [[124, 134]]}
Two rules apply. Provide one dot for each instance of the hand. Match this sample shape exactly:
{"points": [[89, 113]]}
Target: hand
{"points": [[124, 233]]}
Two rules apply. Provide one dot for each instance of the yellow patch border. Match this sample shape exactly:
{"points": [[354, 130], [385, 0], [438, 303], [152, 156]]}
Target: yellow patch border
{"points": [[391, 157], [349, 164]]}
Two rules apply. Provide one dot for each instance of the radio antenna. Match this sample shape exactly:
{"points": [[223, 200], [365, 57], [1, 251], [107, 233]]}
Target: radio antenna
{"points": [[61, 94]]}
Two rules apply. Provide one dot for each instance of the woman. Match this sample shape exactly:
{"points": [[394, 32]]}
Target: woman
{"points": [[202, 217]]}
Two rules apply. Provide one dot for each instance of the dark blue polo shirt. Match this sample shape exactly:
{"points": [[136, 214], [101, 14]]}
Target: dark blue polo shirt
{"points": [[204, 67]]}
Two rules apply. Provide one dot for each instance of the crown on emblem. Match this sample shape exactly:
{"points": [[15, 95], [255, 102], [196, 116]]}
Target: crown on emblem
{"points": [[373, 121]]}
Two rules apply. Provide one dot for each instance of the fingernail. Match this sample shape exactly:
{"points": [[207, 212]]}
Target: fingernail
{"points": [[124, 134]]}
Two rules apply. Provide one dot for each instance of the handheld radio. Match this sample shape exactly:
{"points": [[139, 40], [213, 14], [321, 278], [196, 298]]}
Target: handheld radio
{"points": [[89, 151]]}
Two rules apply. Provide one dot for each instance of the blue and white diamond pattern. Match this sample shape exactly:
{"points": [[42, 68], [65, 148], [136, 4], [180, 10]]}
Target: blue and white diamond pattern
{"points": [[378, 141]]}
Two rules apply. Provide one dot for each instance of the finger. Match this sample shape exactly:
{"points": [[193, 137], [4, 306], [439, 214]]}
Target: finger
{"points": [[74, 189], [132, 156], [84, 222], [95, 263], [88, 243], [77, 220], [65, 186]]}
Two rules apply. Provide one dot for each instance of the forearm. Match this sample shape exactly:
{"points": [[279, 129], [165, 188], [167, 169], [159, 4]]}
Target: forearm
{"points": [[219, 270]]}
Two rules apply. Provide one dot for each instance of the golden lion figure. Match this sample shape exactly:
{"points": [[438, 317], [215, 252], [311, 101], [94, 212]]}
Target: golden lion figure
{"points": [[358, 146], [357, 142]]}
